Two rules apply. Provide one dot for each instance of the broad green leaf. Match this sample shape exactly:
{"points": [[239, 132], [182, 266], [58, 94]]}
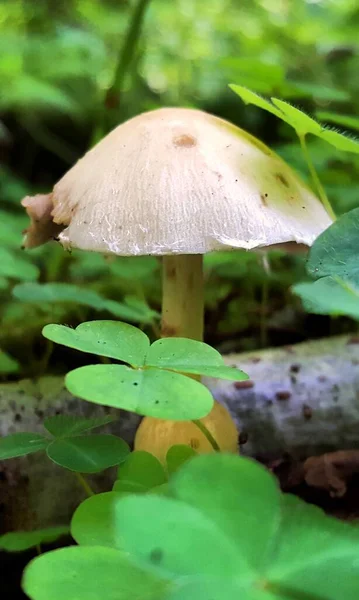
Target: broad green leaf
{"points": [[18, 541], [16, 268], [316, 556], [7, 364], [140, 472], [94, 521], [20, 444], [177, 456], [189, 356], [297, 118], [67, 425], [319, 92], [137, 311], [150, 392], [335, 251], [343, 120], [88, 453], [67, 292], [105, 338], [90, 573], [236, 494], [175, 538], [329, 296]]}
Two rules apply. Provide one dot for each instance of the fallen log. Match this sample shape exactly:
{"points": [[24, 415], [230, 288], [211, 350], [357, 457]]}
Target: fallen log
{"points": [[300, 401]]}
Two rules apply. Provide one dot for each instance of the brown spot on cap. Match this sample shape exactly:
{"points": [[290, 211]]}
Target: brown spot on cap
{"points": [[282, 179], [264, 199], [354, 339], [184, 141], [244, 385], [283, 395]]}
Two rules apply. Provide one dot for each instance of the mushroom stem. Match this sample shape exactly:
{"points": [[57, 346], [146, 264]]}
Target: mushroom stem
{"points": [[182, 296]]}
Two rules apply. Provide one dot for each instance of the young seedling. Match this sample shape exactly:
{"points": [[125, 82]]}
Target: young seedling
{"points": [[178, 183]]}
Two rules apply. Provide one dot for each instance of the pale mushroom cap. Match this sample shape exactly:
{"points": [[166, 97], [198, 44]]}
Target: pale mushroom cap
{"points": [[181, 181]]}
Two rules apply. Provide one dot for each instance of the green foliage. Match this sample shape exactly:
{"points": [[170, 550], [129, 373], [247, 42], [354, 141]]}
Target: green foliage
{"points": [[90, 573], [297, 119], [140, 473], [20, 444], [18, 541], [224, 530], [333, 261], [88, 454], [7, 364], [12, 266], [153, 385], [80, 453], [67, 292]]}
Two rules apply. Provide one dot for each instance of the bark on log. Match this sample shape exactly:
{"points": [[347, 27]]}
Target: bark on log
{"points": [[301, 401]]}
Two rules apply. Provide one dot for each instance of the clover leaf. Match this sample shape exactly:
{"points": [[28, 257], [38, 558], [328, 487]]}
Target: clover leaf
{"points": [[225, 531], [18, 541], [153, 384], [90, 573], [80, 453]]}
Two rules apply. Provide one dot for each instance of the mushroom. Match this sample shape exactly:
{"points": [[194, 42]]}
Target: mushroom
{"points": [[179, 183]]}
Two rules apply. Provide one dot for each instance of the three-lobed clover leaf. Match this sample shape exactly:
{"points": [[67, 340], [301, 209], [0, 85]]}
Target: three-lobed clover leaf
{"points": [[155, 382], [333, 261], [223, 531], [69, 447], [302, 123], [141, 473]]}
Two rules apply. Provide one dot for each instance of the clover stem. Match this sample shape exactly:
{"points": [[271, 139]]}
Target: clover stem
{"points": [[320, 189], [201, 426], [182, 296], [84, 484]]}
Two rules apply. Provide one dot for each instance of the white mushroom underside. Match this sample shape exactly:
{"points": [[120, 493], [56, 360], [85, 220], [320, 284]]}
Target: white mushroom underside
{"points": [[177, 181]]}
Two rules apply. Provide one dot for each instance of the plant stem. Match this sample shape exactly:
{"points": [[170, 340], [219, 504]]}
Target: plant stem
{"points": [[207, 433], [84, 484], [320, 189], [182, 296], [113, 94]]}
